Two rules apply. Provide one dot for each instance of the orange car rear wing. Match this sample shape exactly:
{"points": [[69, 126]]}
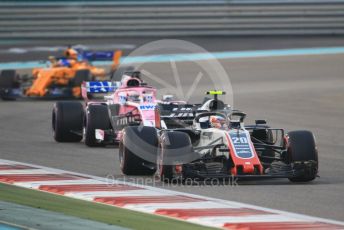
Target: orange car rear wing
{"points": [[116, 59]]}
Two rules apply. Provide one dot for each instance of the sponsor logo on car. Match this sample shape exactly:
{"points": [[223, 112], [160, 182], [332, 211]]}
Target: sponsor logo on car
{"points": [[147, 107]]}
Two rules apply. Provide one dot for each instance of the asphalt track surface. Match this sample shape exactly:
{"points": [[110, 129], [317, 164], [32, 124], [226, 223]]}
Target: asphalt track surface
{"points": [[303, 92]]}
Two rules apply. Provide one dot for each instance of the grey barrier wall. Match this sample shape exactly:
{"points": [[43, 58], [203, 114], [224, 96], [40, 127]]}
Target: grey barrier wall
{"points": [[75, 19]]}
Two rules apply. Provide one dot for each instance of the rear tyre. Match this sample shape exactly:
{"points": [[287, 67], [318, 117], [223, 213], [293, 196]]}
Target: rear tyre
{"points": [[173, 145], [303, 155], [138, 140], [81, 76], [67, 117], [97, 118]]}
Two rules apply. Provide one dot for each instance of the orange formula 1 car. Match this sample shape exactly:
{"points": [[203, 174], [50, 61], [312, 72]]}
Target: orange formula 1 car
{"points": [[61, 79]]}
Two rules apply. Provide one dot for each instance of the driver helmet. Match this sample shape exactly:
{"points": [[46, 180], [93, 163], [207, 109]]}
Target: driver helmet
{"points": [[53, 61], [64, 62], [218, 122], [134, 96], [71, 53], [147, 97]]}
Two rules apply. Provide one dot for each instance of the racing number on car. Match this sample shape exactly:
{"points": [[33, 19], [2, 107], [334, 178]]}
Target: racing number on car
{"points": [[241, 145], [239, 140]]}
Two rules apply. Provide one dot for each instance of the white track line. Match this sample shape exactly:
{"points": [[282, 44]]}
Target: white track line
{"points": [[37, 184], [151, 208], [92, 195], [24, 171]]}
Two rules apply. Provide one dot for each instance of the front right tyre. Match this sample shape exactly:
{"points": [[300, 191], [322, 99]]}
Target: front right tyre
{"points": [[97, 117], [303, 155]]}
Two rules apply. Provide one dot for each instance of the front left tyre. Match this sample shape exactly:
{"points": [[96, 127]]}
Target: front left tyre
{"points": [[174, 146], [67, 121], [137, 150]]}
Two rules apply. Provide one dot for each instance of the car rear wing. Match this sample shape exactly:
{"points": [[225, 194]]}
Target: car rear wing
{"points": [[114, 56], [92, 90], [177, 115], [97, 55]]}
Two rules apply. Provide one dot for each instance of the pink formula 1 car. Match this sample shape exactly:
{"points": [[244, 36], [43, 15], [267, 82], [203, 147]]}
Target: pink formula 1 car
{"points": [[108, 108]]}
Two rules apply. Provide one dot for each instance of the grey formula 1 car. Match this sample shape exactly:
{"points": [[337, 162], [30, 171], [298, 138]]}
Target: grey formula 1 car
{"points": [[212, 141]]}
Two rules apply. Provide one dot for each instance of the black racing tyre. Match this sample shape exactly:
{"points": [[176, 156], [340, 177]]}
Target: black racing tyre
{"points": [[303, 154], [113, 113], [81, 76], [136, 142], [173, 145], [97, 117], [67, 117], [8, 80]]}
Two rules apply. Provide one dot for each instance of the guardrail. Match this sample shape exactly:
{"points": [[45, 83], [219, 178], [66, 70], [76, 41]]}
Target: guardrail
{"points": [[74, 19]]}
